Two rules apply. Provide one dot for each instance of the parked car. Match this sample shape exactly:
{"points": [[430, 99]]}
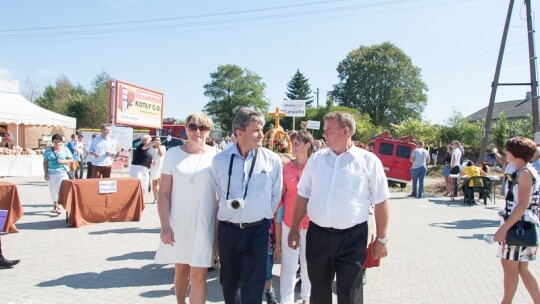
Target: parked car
{"points": [[394, 154], [167, 141]]}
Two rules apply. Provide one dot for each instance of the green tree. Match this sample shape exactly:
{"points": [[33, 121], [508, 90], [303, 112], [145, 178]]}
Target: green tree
{"points": [[230, 88], [420, 130], [297, 89], [522, 127], [381, 81], [458, 127], [499, 131], [56, 98]]}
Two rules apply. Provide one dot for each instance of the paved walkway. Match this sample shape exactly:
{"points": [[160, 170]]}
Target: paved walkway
{"points": [[437, 255]]}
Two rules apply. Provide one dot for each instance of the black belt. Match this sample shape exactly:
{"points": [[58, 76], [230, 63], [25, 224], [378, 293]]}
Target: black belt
{"points": [[245, 225], [335, 230]]}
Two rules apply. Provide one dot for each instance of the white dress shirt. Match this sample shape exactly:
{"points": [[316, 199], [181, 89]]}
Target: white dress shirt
{"points": [[100, 146], [265, 184], [341, 188]]}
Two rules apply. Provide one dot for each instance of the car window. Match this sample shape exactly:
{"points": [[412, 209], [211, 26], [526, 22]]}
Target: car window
{"points": [[386, 149], [403, 151]]}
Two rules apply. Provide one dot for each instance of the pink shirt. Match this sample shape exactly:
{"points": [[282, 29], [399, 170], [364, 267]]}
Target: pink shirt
{"points": [[291, 177]]}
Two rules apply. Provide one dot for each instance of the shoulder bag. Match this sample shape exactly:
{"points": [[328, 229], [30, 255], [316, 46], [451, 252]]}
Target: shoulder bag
{"points": [[70, 175]]}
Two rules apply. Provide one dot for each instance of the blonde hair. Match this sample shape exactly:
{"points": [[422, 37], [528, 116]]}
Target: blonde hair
{"points": [[200, 119], [344, 120]]}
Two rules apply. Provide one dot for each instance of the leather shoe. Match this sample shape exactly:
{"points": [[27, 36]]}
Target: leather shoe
{"points": [[5, 263]]}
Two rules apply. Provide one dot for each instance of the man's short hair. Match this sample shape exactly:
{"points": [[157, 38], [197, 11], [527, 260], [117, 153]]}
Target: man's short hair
{"points": [[245, 116], [104, 125], [343, 119]]}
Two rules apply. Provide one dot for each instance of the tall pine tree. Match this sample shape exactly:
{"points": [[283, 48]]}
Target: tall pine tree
{"points": [[298, 89]]}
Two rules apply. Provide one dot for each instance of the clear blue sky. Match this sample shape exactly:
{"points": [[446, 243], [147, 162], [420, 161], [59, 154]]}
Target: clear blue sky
{"points": [[173, 46]]}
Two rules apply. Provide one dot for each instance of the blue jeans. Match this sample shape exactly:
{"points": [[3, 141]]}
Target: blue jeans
{"points": [[418, 175]]}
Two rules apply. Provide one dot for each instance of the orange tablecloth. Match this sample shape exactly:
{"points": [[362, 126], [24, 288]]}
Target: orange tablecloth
{"points": [[85, 205], [10, 201]]}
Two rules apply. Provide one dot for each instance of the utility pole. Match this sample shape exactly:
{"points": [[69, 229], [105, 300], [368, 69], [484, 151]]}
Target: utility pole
{"points": [[317, 97], [495, 84]]}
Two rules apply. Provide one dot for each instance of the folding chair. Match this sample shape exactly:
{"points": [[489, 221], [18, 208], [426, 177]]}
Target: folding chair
{"points": [[482, 185]]}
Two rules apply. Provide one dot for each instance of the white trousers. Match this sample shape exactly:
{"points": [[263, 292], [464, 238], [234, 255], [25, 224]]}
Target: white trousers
{"points": [[55, 181], [289, 266], [140, 172]]}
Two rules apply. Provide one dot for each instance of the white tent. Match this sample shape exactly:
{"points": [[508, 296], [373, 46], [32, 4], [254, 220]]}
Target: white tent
{"points": [[18, 110]]}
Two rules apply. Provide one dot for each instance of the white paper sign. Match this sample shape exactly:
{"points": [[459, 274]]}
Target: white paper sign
{"points": [[313, 124], [294, 108], [107, 187]]}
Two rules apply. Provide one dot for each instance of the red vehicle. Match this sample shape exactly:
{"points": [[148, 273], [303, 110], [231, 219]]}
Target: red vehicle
{"points": [[394, 154], [173, 130]]}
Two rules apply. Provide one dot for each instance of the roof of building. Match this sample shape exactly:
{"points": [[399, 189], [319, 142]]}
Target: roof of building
{"points": [[513, 109]]}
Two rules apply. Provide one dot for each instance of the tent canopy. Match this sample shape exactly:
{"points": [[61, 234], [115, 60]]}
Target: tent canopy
{"points": [[18, 110]]}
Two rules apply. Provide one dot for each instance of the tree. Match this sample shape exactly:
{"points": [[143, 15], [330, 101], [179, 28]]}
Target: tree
{"points": [[381, 81], [458, 127], [298, 89], [420, 130], [231, 88], [31, 90]]}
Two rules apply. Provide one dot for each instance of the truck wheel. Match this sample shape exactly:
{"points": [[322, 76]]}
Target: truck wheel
{"points": [[403, 185]]}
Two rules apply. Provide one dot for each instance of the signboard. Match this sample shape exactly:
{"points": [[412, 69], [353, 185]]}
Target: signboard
{"points": [[107, 187], [123, 137], [313, 124], [135, 106], [294, 108]]}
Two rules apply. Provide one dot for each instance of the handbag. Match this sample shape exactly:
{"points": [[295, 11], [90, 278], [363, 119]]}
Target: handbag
{"points": [[69, 174], [522, 233], [370, 262]]}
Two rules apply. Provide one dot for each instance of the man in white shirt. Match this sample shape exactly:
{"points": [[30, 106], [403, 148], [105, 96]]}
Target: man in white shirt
{"points": [[102, 148], [336, 190], [248, 179], [455, 163]]}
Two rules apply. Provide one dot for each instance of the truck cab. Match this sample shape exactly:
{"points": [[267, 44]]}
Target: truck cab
{"points": [[394, 154]]}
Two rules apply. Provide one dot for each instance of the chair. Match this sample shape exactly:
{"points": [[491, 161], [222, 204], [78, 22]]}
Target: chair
{"points": [[481, 184]]}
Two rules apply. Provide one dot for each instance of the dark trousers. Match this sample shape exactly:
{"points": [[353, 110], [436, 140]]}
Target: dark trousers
{"points": [[455, 170], [89, 170], [81, 170], [243, 254], [1, 256], [101, 171], [340, 253]]}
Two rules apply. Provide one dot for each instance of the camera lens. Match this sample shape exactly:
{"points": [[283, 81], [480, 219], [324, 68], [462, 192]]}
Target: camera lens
{"points": [[235, 204]]}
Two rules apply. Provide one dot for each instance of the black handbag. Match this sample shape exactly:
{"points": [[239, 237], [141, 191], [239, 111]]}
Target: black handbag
{"points": [[522, 233]]}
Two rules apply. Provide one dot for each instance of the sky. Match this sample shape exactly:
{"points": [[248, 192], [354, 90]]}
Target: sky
{"points": [[173, 46]]}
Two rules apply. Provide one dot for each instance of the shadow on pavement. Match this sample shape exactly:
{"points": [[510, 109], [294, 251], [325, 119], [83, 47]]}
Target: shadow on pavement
{"points": [[141, 255], [476, 236], [446, 201], [148, 275], [158, 293], [60, 222], [126, 230], [468, 224]]}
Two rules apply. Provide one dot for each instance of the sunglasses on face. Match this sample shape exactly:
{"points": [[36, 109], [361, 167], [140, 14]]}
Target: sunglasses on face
{"points": [[194, 127]]}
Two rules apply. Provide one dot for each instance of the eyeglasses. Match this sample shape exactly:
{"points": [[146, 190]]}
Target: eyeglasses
{"points": [[194, 127]]}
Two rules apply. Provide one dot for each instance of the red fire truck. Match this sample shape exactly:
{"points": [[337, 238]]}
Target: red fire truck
{"points": [[394, 154], [170, 127]]}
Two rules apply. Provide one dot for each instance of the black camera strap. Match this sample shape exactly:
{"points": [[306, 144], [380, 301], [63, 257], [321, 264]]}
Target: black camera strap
{"points": [[255, 152]]}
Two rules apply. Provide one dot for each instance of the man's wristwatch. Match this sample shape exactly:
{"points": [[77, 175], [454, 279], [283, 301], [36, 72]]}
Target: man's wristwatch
{"points": [[383, 240]]}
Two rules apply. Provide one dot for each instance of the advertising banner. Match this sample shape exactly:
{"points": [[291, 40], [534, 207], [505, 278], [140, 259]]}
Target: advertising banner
{"points": [[294, 108], [123, 137], [136, 106]]}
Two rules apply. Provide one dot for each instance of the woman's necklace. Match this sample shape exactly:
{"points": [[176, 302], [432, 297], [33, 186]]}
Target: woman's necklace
{"points": [[192, 173]]}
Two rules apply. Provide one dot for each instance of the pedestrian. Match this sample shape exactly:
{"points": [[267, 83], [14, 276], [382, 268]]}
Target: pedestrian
{"points": [[158, 153], [142, 160], [248, 179], [434, 153], [89, 158], [455, 164], [446, 171], [187, 205], [521, 204], [302, 148], [81, 149], [103, 148], [56, 160], [336, 190], [5, 263], [419, 159], [72, 146]]}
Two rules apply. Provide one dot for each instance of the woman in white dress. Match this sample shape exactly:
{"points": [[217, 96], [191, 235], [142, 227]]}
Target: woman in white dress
{"points": [[158, 153], [187, 206]]}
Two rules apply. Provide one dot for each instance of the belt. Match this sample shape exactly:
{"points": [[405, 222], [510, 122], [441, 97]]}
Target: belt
{"points": [[246, 225], [334, 230]]}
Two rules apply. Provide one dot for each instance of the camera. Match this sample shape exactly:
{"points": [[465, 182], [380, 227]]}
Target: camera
{"points": [[235, 203]]}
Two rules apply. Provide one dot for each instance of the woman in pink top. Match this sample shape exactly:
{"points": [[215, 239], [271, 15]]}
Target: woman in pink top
{"points": [[302, 147]]}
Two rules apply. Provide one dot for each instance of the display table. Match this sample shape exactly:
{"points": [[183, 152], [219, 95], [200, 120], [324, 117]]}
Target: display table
{"points": [[85, 205], [21, 165], [10, 201]]}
